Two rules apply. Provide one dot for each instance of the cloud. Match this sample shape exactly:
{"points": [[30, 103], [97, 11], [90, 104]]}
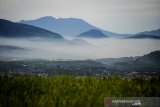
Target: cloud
{"points": [[101, 48]]}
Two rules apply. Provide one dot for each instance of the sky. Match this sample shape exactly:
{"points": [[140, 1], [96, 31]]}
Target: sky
{"points": [[119, 16]]}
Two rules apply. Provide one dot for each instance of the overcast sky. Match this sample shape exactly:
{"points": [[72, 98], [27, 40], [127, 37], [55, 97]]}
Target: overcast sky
{"points": [[120, 16]]}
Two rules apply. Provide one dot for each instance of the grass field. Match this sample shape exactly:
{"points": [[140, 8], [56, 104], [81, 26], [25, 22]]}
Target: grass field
{"points": [[70, 91]]}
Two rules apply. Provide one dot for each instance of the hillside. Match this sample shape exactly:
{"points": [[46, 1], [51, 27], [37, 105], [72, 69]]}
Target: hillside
{"points": [[152, 32], [11, 30], [144, 36], [94, 33], [148, 64]]}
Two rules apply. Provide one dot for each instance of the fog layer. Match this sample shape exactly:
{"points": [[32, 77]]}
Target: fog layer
{"points": [[54, 50]]}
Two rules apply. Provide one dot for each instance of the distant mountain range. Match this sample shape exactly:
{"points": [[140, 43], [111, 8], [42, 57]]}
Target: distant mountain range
{"points": [[67, 26], [12, 30], [94, 33], [153, 32], [71, 27], [144, 36], [51, 27]]}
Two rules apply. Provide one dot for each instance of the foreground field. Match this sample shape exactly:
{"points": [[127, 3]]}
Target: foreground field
{"points": [[70, 91]]}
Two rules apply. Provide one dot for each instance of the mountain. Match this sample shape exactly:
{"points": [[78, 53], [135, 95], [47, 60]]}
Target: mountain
{"points": [[94, 33], [146, 63], [67, 26], [143, 36], [6, 48], [152, 58], [11, 29], [153, 32]]}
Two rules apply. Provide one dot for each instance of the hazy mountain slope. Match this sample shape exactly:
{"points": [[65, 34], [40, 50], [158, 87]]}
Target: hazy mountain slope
{"points": [[7, 48], [153, 32], [94, 33], [147, 63], [152, 58], [143, 36], [11, 29]]}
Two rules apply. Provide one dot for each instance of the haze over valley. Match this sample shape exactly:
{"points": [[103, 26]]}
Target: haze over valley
{"points": [[54, 50], [22, 41]]}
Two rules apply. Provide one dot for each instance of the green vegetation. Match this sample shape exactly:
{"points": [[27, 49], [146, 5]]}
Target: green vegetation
{"points": [[71, 91]]}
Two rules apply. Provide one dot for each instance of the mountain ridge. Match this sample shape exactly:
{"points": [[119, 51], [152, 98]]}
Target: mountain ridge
{"points": [[67, 26], [12, 29], [144, 36], [152, 32]]}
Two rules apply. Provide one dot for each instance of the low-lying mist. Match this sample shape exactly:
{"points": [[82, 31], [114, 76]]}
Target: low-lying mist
{"points": [[60, 50]]}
